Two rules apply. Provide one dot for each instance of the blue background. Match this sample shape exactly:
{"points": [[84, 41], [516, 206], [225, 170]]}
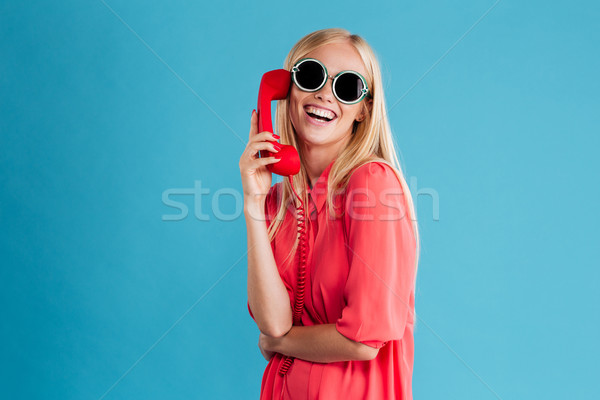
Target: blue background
{"points": [[107, 291]]}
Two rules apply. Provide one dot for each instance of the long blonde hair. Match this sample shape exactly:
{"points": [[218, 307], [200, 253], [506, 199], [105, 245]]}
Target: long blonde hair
{"points": [[372, 139]]}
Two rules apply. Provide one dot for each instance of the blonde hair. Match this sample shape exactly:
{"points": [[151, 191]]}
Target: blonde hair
{"points": [[372, 139]]}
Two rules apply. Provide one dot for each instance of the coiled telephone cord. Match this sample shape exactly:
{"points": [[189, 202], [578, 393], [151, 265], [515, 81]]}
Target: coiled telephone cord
{"points": [[302, 250]]}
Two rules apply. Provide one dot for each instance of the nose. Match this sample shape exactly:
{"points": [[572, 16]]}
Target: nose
{"points": [[326, 92]]}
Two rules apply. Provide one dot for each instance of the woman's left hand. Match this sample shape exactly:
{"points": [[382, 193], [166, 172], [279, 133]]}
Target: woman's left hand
{"points": [[264, 344]]}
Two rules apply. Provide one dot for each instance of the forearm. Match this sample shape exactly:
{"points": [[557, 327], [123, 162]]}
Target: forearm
{"points": [[267, 295], [320, 343]]}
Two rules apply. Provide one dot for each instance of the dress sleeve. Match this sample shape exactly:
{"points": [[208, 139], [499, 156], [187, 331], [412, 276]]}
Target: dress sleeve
{"points": [[270, 210], [381, 254]]}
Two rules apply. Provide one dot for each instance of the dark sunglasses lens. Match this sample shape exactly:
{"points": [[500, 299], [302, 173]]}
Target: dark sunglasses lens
{"points": [[348, 87], [310, 75]]}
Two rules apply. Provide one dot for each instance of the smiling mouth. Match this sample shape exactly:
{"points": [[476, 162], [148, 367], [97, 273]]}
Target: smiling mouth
{"points": [[321, 119]]}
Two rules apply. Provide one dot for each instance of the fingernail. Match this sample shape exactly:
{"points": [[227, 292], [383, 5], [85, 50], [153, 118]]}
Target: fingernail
{"points": [[276, 136], [252, 113], [277, 146]]}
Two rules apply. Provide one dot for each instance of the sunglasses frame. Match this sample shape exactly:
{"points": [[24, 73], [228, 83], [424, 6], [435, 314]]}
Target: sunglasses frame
{"points": [[365, 90]]}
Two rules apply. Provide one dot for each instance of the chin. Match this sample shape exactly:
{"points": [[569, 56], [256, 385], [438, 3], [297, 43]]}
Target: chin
{"points": [[313, 139]]}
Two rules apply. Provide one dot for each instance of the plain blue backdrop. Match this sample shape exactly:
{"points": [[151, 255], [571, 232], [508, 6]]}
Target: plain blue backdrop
{"points": [[115, 114]]}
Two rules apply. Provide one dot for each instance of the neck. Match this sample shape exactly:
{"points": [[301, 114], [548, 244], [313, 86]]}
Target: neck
{"points": [[316, 158]]}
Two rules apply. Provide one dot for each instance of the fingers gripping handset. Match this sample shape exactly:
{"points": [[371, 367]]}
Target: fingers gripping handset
{"points": [[275, 85]]}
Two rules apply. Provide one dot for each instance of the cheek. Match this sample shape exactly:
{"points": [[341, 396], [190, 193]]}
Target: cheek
{"points": [[295, 96], [295, 111], [350, 113]]}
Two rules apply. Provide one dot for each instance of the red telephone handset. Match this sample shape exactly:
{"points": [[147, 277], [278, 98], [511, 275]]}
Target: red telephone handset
{"points": [[275, 85]]}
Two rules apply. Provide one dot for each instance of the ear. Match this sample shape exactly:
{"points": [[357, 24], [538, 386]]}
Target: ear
{"points": [[369, 105]]}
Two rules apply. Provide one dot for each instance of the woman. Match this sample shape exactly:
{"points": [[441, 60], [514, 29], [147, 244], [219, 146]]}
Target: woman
{"points": [[355, 337]]}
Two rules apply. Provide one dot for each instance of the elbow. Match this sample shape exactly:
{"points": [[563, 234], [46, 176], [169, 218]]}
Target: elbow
{"points": [[367, 353], [273, 327], [358, 350], [276, 332]]}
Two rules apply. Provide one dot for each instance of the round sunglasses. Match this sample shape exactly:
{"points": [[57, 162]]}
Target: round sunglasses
{"points": [[310, 75]]}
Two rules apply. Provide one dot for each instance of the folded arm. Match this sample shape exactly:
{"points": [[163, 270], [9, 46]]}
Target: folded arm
{"points": [[318, 343]]}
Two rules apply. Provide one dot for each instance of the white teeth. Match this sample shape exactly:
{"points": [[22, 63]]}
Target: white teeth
{"points": [[320, 112]]}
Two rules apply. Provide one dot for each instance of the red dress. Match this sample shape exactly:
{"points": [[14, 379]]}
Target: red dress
{"points": [[360, 277]]}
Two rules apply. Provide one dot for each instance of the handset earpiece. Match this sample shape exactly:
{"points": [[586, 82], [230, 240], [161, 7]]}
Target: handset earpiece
{"points": [[275, 85]]}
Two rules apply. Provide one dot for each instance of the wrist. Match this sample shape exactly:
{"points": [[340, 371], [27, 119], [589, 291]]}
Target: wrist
{"points": [[254, 210], [254, 200]]}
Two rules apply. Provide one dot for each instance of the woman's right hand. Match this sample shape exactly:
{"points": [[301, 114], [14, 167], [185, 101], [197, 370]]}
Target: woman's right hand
{"points": [[256, 178]]}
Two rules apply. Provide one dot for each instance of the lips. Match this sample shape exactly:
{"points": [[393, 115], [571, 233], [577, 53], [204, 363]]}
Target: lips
{"points": [[319, 116]]}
